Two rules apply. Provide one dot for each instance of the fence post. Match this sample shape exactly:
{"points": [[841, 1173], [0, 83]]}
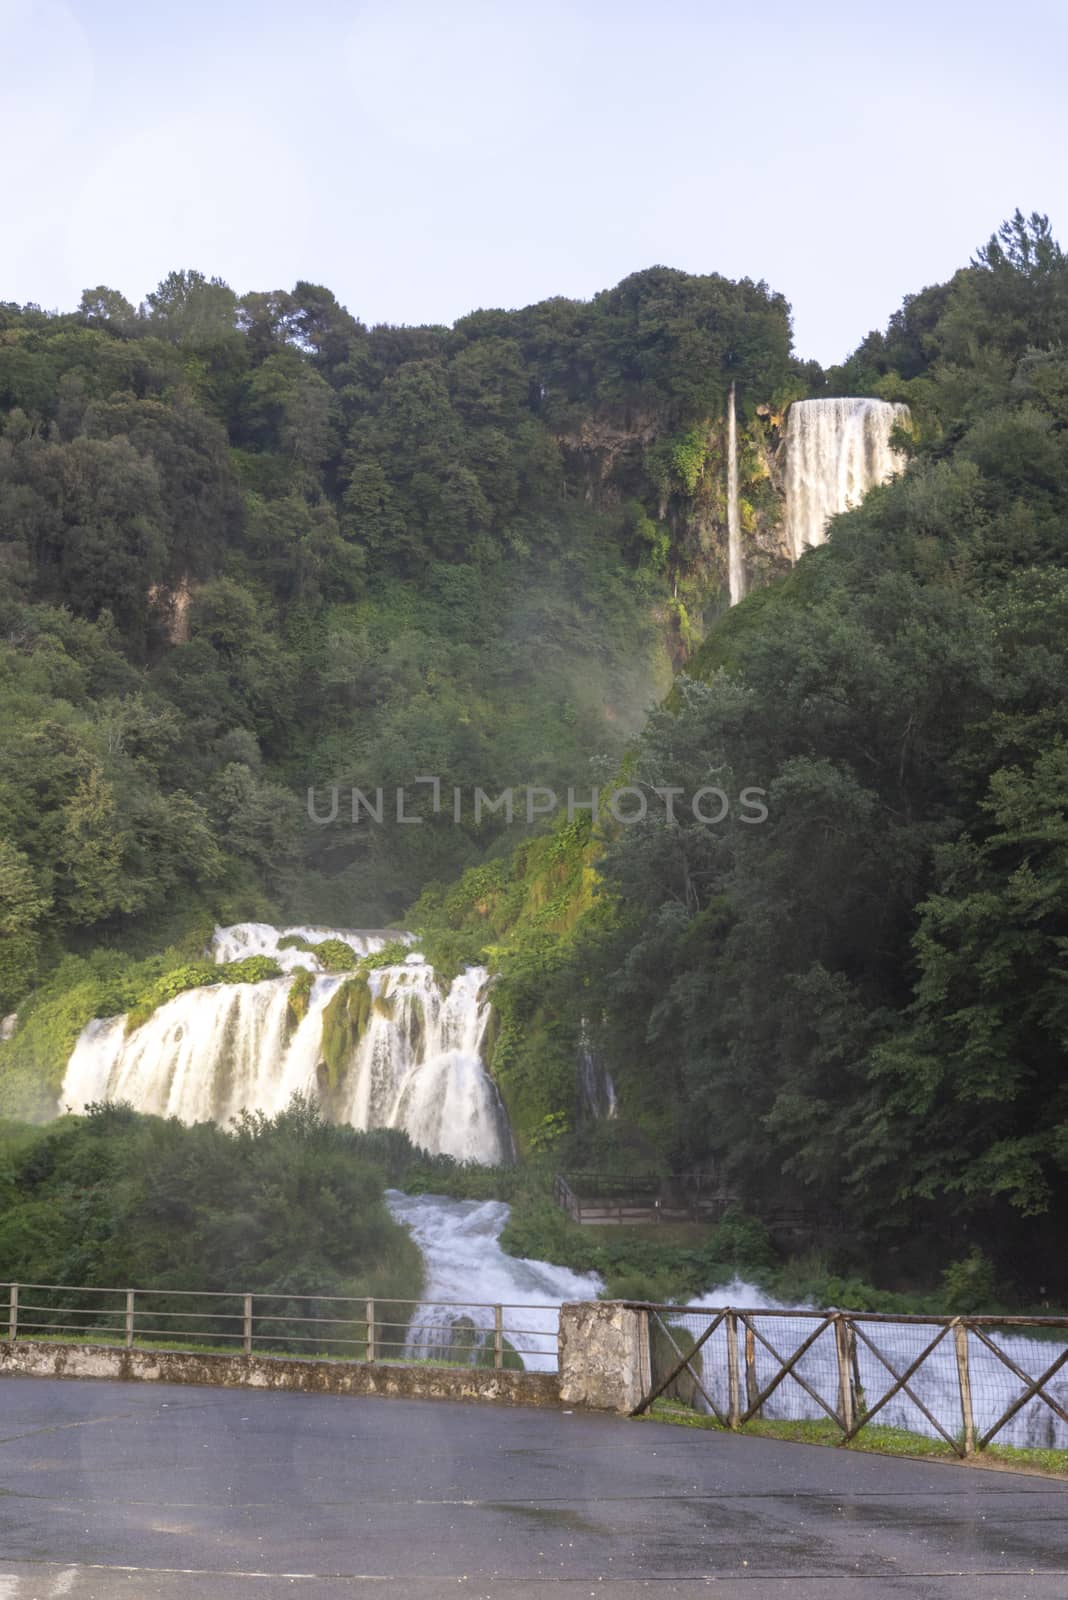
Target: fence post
{"points": [[752, 1387], [247, 1326], [964, 1378], [734, 1398], [371, 1352], [129, 1318], [13, 1313], [498, 1337], [845, 1374]]}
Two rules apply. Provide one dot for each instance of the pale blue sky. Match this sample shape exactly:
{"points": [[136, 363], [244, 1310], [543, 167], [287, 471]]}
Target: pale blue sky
{"points": [[424, 159]]}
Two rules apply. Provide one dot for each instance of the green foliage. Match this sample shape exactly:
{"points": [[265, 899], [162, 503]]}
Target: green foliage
{"points": [[254, 546], [393, 953], [299, 994], [548, 1132], [857, 1004], [291, 1206], [334, 955], [970, 1285], [856, 1008], [195, 975]]}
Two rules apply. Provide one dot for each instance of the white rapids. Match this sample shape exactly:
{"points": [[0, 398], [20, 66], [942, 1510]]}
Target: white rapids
{"points": [[217, 1050], [936, 1382], [464, 1261]]}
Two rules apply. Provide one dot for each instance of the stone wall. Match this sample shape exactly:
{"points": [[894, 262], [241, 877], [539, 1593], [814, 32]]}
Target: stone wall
{"points": [[604, 1366], [46, 1360], [604, 1356]]}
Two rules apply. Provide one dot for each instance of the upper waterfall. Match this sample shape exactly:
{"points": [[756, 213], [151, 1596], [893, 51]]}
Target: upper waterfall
{"points": [[413, 1061], [735, 564], [836, 450]]}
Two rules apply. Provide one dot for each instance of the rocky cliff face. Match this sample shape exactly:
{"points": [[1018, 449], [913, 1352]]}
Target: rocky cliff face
{"points": [[673, 488]]}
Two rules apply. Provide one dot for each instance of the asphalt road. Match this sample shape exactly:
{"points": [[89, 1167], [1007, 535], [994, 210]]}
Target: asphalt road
{"points": [[114, 1491]]}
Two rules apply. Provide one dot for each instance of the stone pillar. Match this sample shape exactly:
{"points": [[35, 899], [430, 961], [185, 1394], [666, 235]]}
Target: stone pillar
{"points": [[604, 1356]]}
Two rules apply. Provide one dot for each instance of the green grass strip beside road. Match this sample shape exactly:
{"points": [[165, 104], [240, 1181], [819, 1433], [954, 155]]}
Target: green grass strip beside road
{"points": [[873, 1440]]}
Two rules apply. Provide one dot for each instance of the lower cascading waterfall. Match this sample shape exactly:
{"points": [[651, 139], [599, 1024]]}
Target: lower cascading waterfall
{"points": [[936, 1383], [218, 1050], [836, 450]]}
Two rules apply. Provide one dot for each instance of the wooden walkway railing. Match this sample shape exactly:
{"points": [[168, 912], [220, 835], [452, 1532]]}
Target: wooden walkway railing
{"points": [[599, 1201]]}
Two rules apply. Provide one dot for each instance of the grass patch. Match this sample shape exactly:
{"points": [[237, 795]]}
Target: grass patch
{"points": [[875, 1440]]}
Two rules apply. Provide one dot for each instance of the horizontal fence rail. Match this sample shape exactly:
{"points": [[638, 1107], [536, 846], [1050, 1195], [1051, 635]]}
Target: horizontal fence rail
{"points": [[968, 1381], [340, 1327]]}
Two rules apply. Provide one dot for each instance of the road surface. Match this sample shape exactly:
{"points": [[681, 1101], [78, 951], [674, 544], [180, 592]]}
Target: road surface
{"points": [[112, 1491]]}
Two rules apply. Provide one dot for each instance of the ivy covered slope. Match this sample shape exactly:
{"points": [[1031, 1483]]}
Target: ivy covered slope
{"points": [[859, 1007], [250, 546]]}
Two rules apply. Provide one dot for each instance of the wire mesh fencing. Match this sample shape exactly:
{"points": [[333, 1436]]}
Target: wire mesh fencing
{"points": [[340, 1327], [968, 1381]]}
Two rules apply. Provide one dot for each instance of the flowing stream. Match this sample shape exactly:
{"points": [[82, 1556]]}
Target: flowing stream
{"points": [[460, 1242]]}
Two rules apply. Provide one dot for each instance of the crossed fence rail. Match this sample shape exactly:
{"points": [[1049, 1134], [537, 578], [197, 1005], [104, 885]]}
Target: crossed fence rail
{"points": [[967, 1380], [342, 1327]]}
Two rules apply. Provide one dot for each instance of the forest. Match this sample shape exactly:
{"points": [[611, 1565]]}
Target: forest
{"points": [[250, 545]]}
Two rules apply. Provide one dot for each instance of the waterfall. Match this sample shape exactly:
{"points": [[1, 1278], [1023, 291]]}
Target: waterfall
{"points": [[217, 1050], [262, 939], [836, 450], [596, 1090], [735, 564]]}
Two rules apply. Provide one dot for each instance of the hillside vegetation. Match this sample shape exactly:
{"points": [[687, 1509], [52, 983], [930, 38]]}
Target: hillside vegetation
{"points": [[252, 546], [859, 1007]]}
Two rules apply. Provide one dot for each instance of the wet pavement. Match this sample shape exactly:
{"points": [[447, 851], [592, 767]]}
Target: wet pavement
{"points": [[162, 1492]]}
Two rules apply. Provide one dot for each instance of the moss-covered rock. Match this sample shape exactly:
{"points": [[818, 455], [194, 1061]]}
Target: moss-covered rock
{"points": [[197, 975], [345, 1020], [299, 995]]}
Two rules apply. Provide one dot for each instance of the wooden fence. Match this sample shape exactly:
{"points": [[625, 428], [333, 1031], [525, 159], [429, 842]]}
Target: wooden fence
{"points": [[601, 1199], [597, 1200], [339, 1326], [966, 1380]]}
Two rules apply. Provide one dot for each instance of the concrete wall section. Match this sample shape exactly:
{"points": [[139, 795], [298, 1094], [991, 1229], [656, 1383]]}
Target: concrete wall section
{"points": [[46, 1360]]}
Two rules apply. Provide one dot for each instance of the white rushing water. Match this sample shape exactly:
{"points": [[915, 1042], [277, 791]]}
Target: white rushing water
{"points": [[215, 1051], [936, 1383], [459, 1240], [836, 450], [735, 564]]}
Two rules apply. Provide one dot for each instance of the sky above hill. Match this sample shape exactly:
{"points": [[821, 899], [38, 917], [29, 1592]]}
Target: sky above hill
{"points": [[423, 159]]}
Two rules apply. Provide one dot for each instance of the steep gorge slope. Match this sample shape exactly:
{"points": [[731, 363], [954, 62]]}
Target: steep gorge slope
{"points": [[857, 1007]]}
